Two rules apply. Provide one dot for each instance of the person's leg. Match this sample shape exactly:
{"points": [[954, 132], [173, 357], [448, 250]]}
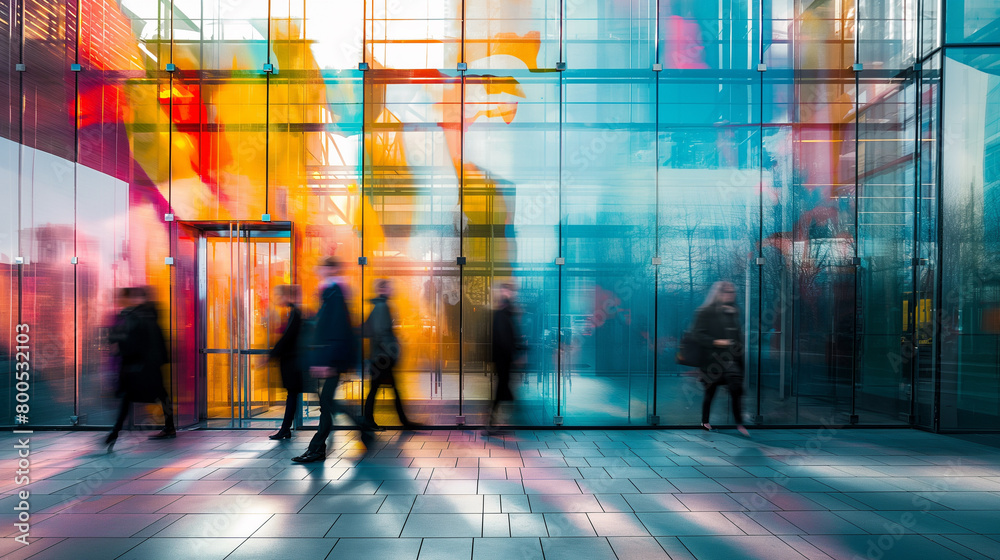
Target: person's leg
{"points": [[168, 412], [706, 403], [368, 411], [502, 369], [326, 412], [736, 395], [168, 431], [291, 406], [123, 410], [390, 377]]}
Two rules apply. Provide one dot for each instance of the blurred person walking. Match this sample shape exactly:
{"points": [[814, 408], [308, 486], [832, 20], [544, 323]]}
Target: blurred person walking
{"points": [[506, 346], [717, 330], [286, 351], [384, 350], [332, 348], [142, 351]]}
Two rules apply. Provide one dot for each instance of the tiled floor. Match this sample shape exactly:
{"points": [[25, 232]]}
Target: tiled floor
{"points": [[872, 494]]}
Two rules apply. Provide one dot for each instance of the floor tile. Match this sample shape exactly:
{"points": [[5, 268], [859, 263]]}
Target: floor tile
{"points": [[637, 548], [447, 549], [617, 525], [90, 548], [749, 547], [93, 525], [215, 525], [568, 525], [687, 523], [577, 548], [375, 549], [883, 547], [505, 549], [283, 548], [296, 525], [368, 525], [202, 549], [443, 525]]}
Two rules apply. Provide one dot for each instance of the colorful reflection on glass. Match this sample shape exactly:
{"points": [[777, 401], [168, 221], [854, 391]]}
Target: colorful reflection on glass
{"points": [[612, 158]]}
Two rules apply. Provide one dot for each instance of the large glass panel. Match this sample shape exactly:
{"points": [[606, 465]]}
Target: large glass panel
{"points": [[930, 26], [708, 144], [10, 78], [418, 34], [608, 216], [970, 228], [47, 211], [972, 21], [887, 33], [102, 213], [886, 184], [807, 318], [924, 318], [49, 89], [510, 199], [48, 286], [9, 250]]}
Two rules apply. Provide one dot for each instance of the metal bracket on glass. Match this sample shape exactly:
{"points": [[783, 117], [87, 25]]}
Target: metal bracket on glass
{"points": [[761, 261], [460, 420], [917, 67], [20, 67], [757, 418], [269, 68], [854, 419], [657, 67], [762, 67], [362, 261], [657, 261], [168, 217], [857, 67], [171, 67], [557, 420], [919, 262], [265, 217], [462, 67], [560, 66], [460, 261], [74, 260], [363, 66], [18, 260], [653, 420], [75, 67], [169, 261], [856, 261], [560, 261]]}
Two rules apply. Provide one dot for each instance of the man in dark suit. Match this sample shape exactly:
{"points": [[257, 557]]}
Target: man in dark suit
{"points": [[286, 351], [506, 345], [142, 350], [333, 348]]}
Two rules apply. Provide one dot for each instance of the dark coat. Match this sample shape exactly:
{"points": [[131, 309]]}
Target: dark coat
{"points": [[713, 323], [333, 342], [506, 338], [143, 352], [378, 328], [286, 351]]}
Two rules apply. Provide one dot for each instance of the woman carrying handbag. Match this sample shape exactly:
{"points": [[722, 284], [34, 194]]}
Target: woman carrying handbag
{"points": [[717, 331]]}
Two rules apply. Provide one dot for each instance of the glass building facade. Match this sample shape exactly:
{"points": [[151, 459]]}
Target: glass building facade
{"points": [[837, 160]]}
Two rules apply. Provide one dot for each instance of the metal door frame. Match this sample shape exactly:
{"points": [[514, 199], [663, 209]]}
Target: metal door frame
{"points": [[240, 354]]}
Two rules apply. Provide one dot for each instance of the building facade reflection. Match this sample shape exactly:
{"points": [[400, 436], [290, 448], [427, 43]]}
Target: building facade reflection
{"points": [[612, 158]]}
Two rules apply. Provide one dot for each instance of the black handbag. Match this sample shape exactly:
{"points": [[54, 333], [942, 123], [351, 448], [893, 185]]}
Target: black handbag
{"points": [[690, 352]]}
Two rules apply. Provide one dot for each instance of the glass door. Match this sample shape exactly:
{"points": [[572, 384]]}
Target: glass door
{"points": [[241, 264]]}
